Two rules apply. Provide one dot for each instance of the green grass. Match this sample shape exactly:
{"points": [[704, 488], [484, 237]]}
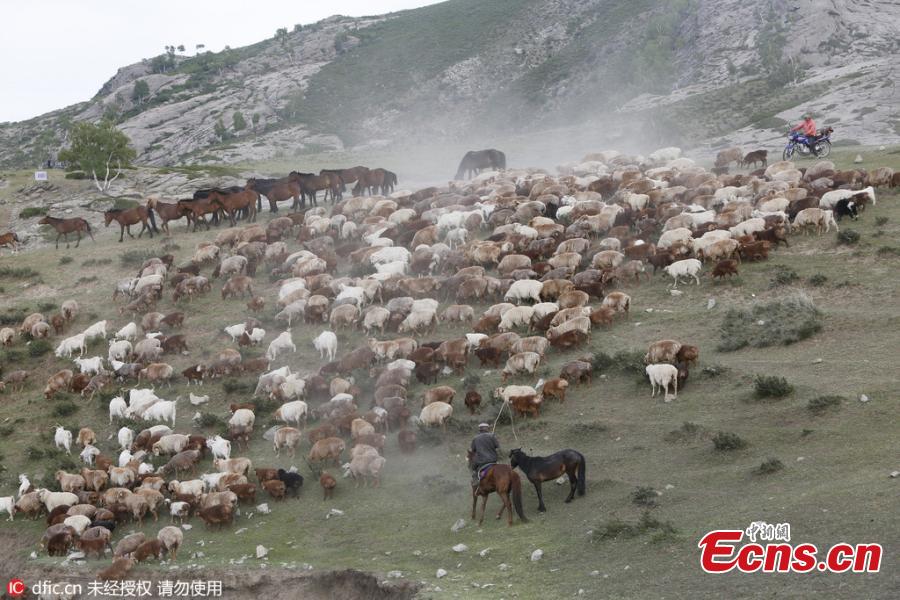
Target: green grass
{"points": [[837, 492]]}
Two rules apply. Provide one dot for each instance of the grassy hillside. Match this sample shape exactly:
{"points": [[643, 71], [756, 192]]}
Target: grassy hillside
{"points": [[834, 485]]}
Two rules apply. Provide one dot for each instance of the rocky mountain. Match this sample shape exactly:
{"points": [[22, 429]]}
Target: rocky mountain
{"points": [[537, 73]]}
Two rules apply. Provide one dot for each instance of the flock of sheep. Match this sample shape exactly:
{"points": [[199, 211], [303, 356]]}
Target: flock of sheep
{"points": [[541, 254]]}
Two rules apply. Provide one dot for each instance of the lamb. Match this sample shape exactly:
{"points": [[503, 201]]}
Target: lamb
{"points": [[24, 485], [326, 344], [182, 510], [281, 343], [689, 267], [194, 487], [62, 438], [170, 444], [182, 461], [129, 544], [663, 375], [94, 479], [618, 301], [287, 437]]}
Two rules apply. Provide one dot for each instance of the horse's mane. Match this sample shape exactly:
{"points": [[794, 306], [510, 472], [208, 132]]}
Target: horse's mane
{"points": [[115, 211]]}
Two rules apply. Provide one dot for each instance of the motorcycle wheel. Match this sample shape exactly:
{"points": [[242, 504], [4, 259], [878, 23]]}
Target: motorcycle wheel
{"points": [[788, 153], [823, 149]]}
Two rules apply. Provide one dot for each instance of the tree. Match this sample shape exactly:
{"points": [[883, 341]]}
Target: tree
{"points": [[98, 148], [181, 47], [220, 130], [255, 119], [238, 121], [281, 35], [140, 91], [199, 47]]}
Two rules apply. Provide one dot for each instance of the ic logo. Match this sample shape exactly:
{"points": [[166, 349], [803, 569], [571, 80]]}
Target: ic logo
{"points": [[15, 588]]}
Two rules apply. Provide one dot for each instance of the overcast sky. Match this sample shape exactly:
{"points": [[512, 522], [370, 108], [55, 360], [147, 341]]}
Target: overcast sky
{"points": [[54, 53]]}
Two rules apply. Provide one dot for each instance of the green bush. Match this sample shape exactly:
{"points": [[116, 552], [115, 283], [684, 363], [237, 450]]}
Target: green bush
{"points": [[777, 323], [823, 404], [64, 260], [772, 386], [817, 280], [19, 272], [236, 386], [848, 237], [65, 409], [725, 441], [772, 465], [645, 496], [76, 175], [881, 221], [92, 262], [688, 432], [32, 211], [34, 453], [617, 529], [38, 348], [889, 251], [210, 420], [131, 258], [783, 276]]}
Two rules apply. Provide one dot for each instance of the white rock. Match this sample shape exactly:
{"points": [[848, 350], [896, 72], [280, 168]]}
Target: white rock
{"points": [[800, 458], [882, 148], [460, 548], [562, 479], [858, 159], [440, 573], [537, 555], [595, 573], [669, 486], [710, 304], [484, 552], [186, 526], [334, 512], [676, 292], [240, 531], [261, 551], [33, 555], [460, 523], [503, 567], [863, 398], [818, 361], [417, 553], [264, 508], [394, 574], [893, 474]]}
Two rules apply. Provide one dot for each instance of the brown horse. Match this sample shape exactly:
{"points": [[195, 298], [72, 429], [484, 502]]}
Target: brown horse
{"points": [[539, 469], [10, 239], [196, 211], [66, 226], [237, 201], [350, 175], [131, 216], [476, 160], [311, 184], [167, 212], [279, 190], [503, 480]]}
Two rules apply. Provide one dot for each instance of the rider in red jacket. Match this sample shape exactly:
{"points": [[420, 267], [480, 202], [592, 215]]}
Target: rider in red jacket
{"points": [[808, 127]]}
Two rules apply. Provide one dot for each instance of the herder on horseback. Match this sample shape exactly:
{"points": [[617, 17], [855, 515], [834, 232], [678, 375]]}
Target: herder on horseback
{"points": [[485, 447]]}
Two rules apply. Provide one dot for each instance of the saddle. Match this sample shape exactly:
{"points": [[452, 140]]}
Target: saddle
{"points": [[483, 470]]}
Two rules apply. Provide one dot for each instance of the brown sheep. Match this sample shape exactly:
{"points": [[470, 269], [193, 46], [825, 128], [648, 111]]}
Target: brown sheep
{"points": [[58, 381], [275, 488], [328, 484], [472, 401], [555, 388], [725, 267], [146, 550], [328, 448], [86, 436], [117, 570], [407, 441], [218, 515]]}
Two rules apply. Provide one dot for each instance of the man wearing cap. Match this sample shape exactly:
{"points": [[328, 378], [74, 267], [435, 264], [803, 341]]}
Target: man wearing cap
{"points": [[485, 445]]}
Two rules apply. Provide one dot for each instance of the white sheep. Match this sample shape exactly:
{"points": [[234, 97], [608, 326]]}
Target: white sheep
{"points": [[125, 437], [748, 227], [161, 410], [53, 499], [524, 289], [24, 484], [198, 400], [92, 366], [292, 412], [129, 332], [326, 344], [97, 330], [519, 316], [688, 267], [88, 454], [119, 350], [69, 345], [235, 331], [7, 504], [282, 342], [117, 408], [829, 199], [257, 335], [63, 439], [663, 375], [436, 414], [220, 447]]}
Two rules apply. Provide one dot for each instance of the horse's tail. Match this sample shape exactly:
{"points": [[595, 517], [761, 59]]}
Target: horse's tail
{"points": [[580, 473], [152, 218], [516, 485], [501, 160], [460, 172]]}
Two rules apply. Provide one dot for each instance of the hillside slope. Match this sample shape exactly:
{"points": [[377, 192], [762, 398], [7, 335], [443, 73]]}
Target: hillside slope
{"points": [[644, 72]]}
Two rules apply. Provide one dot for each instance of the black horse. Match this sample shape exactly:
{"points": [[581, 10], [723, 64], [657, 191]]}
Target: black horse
{"points": [[539, 469], [476, 160]]}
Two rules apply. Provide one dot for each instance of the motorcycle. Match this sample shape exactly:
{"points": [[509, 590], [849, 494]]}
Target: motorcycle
{"points": [[797, 145]]}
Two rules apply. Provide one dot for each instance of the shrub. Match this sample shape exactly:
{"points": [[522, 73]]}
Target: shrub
{"points": [[32, 211], [13, 356], [6, 430], [131, 258], [65, 260], [210, 420], [236, 386], [817, 280], [772, 465], [881, 221], [65, 409], [644, 496], [772, 386], [34, 453], [39, 348], [780, 322], [847, 236], [783, 276], [889, 251], [686, 433], [76, 175], [46, 307], [618, 529], [823, 404], [472, 380], [19, 272], [84, 280], [171, 247], [96, 262], [725, 441]]}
